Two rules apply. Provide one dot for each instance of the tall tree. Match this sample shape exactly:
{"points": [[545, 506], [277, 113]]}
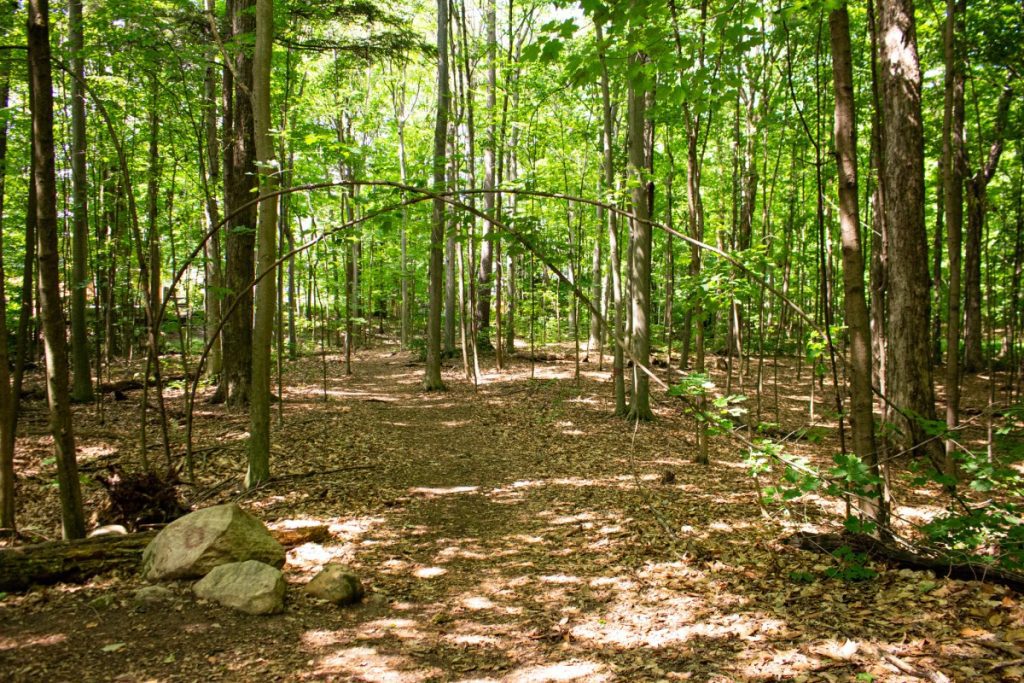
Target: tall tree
{"points": [[432, 378], [240, 187], [873, 506], [908, 361], [977, 199], [212, 249], [483, 313], [55, 342], [266, 288], [953, 205], [82, 388], [640, 149], [7, 412], [608, 185]]}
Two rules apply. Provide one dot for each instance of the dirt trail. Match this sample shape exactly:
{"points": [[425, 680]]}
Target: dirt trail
{"points": [[514, 532]]}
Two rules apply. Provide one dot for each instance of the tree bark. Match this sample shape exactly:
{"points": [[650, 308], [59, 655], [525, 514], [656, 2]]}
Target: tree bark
{"points": [[212, 266], [432, 377], [874, 506], [483, 312], [70, 561], [240, 184], [908, 361], [82, 387], [953, 208], [266, 289], [977, 199], [640, 243], [55, 342], [608, 142], [7, 411]]}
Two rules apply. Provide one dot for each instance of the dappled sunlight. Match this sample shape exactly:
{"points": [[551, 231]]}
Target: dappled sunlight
{"points": [[371, 666], [12, 643], [477, 602], [592, 672], [406, 629], [309, 557], [431, 492], [429, 572]]}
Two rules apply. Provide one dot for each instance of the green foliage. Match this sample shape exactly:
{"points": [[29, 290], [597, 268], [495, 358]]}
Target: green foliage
{"points": [[850, 566], [716, 413]]}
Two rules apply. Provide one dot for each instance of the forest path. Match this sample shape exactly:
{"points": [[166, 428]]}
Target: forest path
{"points": [[511, 532]]}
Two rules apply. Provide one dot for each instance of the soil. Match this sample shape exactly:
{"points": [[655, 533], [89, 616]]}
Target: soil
{"points": [[511, 531]]}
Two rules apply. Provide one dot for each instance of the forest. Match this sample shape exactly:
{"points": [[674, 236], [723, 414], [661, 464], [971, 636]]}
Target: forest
{"points": [[521, 341]]}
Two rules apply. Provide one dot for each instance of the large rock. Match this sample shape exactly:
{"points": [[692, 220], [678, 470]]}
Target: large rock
{"points": [[336, 583], [189, 547], [249, 586]]}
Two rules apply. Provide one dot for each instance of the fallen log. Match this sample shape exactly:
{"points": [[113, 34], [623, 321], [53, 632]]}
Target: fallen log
{"points": [[945, 567], [134, 384], [69, 561]]}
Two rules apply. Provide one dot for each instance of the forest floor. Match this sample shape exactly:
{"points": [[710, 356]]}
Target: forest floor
{"points": [[513, 531]]}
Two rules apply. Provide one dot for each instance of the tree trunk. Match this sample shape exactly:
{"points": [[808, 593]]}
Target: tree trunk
{"points": [[55, 342], [977, 199], [82, 388], [266, 289], [640, 243], [908, 361], [953, 209], [7, 411], [483, 313], [213, 276], [240, 185], [874, 506], [432, 377], [608, 142]]}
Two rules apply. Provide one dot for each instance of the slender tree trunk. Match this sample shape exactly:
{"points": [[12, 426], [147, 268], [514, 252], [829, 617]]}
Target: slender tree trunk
{"points": [[266, 294], [640, 243], [404, 314], [953, 209], [873, 506], [213, 276], [44, 179], [8, 416], [608, 146], [594, 344], [82, 387], [483, 313], [432, 377], [977, 199]]}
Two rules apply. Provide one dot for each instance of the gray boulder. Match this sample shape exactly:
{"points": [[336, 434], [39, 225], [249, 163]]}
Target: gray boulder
{"points": [[250, 586], [189, 547], [336, 583]]}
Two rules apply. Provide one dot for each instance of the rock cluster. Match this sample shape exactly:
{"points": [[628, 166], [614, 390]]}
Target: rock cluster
{"points": [[237, 561]]}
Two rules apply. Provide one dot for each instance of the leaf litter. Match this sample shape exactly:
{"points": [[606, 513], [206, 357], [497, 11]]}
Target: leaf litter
{"points": [[513, 531]]}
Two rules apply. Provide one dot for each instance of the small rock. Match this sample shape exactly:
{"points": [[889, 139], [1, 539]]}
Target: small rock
{"points": [[151, 595], [252, 587], [336, 583]]}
